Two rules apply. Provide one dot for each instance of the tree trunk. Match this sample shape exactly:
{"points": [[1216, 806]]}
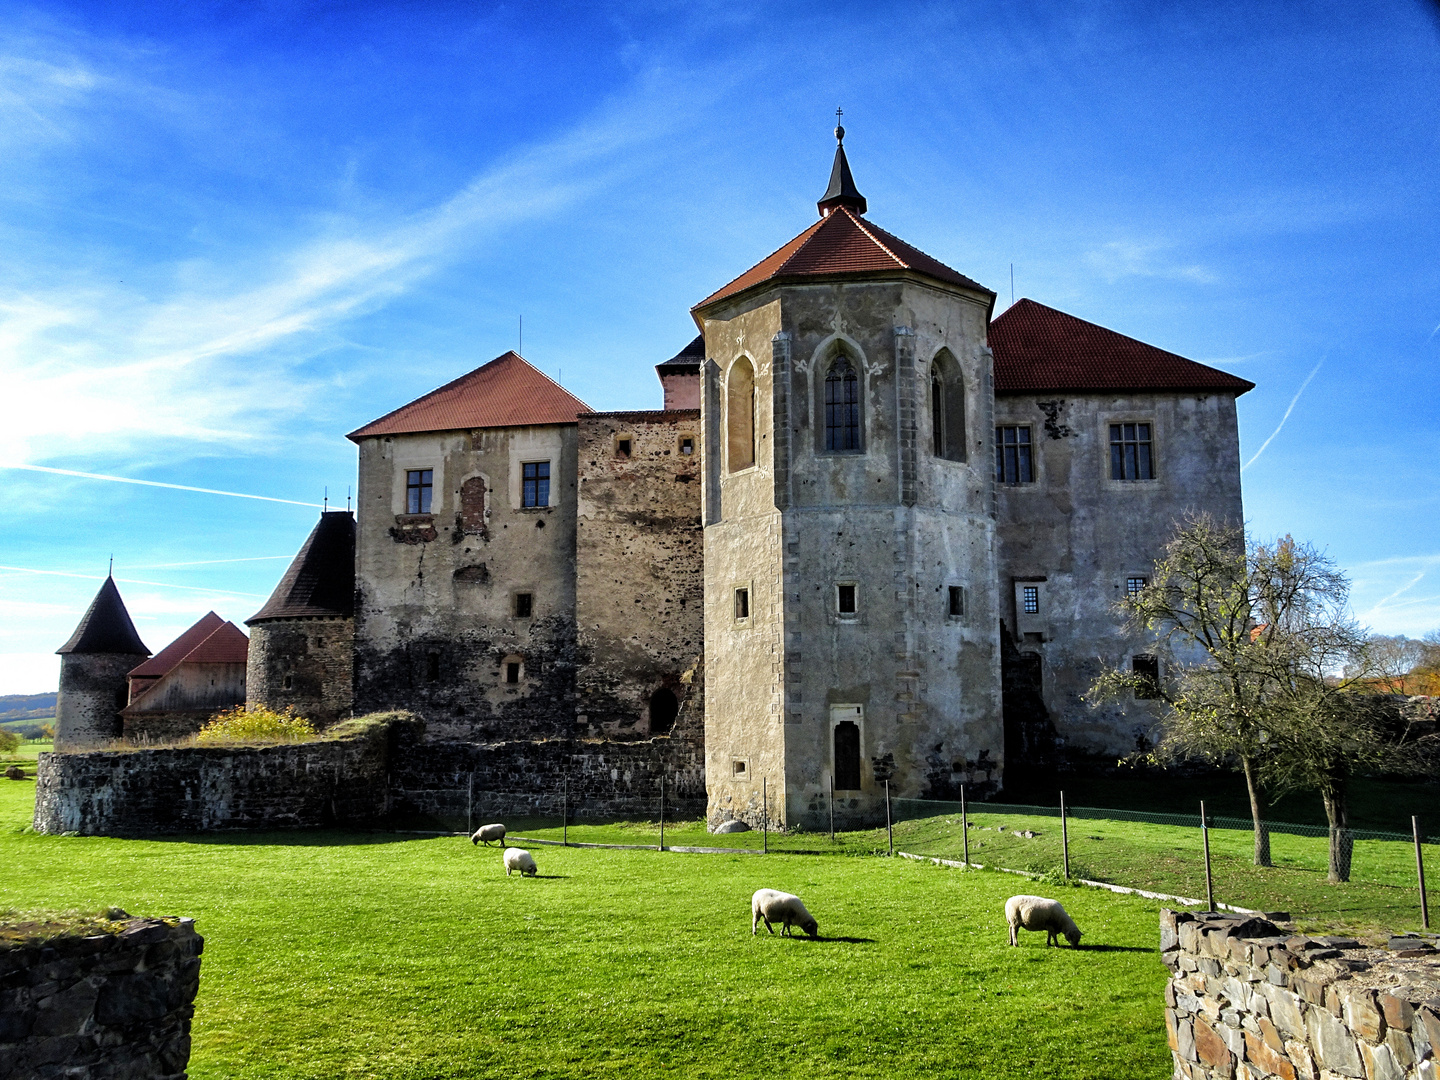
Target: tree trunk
{"points": [[1342, 844], [1257, 814]]}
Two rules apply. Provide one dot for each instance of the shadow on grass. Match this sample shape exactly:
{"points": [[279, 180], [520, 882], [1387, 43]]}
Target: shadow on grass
{"points": [[846, 940], [1115, 948]]}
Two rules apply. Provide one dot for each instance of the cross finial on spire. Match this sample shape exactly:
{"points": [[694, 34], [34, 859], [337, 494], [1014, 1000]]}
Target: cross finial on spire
{"points": [[839, 131], [842, 191]]}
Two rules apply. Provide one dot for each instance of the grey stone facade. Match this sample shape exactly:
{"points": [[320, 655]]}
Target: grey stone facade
{"points": [[93, 689], [305, 664]]}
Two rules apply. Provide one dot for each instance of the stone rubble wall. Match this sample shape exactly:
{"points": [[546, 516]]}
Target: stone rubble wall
{"points": [[107, 1006], [1248, 1000]]}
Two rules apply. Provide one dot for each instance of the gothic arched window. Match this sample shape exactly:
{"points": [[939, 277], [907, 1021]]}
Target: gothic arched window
{"points": [[842, 406], [947, 407], [937, 414], [740, 416]]}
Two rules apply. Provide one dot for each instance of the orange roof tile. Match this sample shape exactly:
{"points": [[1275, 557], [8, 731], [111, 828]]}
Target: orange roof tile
{"points": [[173, 653], [842, 243], [227, 645], [1038, 348], [506, 392]]}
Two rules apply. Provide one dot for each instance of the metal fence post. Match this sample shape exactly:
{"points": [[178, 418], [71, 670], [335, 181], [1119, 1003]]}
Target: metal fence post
{"points": [[1205, 835], [1064, 838], [470, 805], [662, 811], [832, 809], [889, 829], [1420, 873], [565, 811], [765, 814], [964, 825]]}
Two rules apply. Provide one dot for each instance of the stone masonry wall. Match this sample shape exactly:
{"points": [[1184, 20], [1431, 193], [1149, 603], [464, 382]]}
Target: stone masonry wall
{"points": [[203, 788], [109, 1002], [305, 664], [1248, 1000], [93, 689]]}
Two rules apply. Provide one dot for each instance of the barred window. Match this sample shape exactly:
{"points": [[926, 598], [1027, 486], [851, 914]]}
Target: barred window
{"points": [[1133, 585], [419, 485], [1012, 456], [842, 407], [1130, 452], [1030, 599], [535, 484]]}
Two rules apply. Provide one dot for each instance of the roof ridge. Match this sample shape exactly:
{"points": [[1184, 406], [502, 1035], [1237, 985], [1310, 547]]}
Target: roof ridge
{"points": [[799, 244], [861, 224], [547, 378]]}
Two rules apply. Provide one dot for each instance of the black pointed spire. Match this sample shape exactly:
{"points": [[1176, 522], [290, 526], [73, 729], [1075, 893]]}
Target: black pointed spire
{"points": [[106, 627], [842, 191], [321, 578]]}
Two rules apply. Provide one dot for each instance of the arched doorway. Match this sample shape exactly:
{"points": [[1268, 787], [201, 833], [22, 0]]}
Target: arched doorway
{"points": [[664, 708]]}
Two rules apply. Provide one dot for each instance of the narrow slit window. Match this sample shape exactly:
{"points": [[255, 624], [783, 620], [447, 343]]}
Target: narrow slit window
{"points": [[512, 671], [535, 483], [842, 407], [1030, 598], [1131, 452], [1146, 669], [957, 601], [1012, 456], [524, 601], [687, 446], [845, 599], [937, 416], [419, 486], [742, 603]]}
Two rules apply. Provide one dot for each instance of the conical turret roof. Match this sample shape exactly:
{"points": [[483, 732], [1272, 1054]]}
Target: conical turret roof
{"points": [[106, 627], [321, 579]]}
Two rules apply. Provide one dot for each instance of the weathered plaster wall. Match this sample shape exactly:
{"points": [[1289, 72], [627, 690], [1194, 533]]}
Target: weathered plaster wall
{"points": [[305, 664], [1078, 535], [1249, 1000], [639, 564], [110, 1005], [93, 689], [181, 702], [436, 621], [681, 391]]}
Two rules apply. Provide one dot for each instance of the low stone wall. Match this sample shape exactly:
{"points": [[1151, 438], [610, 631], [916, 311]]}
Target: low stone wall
{"points": [[109, 1000], [1248, 1000], [341, 778]]}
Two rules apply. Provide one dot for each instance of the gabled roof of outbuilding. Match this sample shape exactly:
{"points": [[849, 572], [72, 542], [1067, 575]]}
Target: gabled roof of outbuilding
{"points": [[173, 653], [842, 244], [320, 580], [507, 392], [105, 627], [1038, 348], [226, 645]]}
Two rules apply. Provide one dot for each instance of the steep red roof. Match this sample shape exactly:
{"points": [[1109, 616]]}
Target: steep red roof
{"points": [[173, 653], [227, 645], [506, 392], [842, 243], [1040, 349]]}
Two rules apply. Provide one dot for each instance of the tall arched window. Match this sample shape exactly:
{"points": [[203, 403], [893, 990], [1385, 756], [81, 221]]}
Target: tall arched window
{"points": [[842, 406], [947, 407], [740, 416]]}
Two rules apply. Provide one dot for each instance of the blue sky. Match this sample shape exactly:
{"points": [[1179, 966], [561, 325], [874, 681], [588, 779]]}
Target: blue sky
{"points": [[229, 233]]}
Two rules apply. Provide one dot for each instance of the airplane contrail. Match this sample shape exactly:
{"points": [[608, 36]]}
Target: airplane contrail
{"points": [[1288, 411], [156, 483]]}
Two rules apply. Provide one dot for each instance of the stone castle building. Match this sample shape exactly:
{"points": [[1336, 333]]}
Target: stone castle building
{"points": [[875, 533]]}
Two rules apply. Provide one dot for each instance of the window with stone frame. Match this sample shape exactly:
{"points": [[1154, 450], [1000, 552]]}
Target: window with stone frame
{"points": [[524, 604], [1013, 464], [1132, 452], [1030, 599], [740, 416], [419, 488], [742, 603], [956, 606], [947, 408], [1134, 585], [846, 599], [842, 407], [847, 756], [535, 483]]}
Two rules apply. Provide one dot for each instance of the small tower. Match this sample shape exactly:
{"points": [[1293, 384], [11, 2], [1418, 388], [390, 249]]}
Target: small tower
{"points": [[302, 642], [95, 666]]}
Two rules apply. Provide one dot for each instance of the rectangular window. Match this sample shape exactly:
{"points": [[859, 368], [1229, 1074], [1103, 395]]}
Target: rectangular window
{"points": [[419, 484], [1012, 456], [687, 446], [523, 603], [1147, 673], [622, 448], [845, 599], [742, 603], [1030, 599], [957, 601], [1133, 585], [535, 484], [739, 769], [512, 671], [1130, 452]]}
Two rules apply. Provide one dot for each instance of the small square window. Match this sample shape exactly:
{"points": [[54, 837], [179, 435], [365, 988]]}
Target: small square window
{"points": [[687, 446], [524, 602], [1030, 599], [419, 486], [742, 603], [512, 671], [535, 483], [739, 769], [287, 683], [1146, 669], [622, 448], [845, 599], [957, 601], [1133, 585]]}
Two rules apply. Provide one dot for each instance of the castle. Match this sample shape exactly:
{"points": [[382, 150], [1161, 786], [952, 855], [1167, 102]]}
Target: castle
{"points": [[874, 537]]}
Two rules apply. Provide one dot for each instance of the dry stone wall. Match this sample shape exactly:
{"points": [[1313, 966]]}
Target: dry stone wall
{"points": [[1249, 1000], [112, 1001]]}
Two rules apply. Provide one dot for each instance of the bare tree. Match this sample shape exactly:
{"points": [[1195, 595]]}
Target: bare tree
{"points": [[1391, 659]]}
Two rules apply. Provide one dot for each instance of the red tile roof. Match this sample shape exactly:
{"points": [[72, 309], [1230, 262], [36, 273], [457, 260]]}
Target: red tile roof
{"points": [[841, 244], [227, 645], [506, 392], [1040, 349], [172, 654]]}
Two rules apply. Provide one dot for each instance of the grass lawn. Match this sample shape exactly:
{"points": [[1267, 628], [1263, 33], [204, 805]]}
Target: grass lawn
{"points": [[334, 954]]}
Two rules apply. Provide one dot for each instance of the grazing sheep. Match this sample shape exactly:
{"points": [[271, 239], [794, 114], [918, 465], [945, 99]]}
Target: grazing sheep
{"points": [[1038, 913], [487, 834], [519, 859], [774, 906]]}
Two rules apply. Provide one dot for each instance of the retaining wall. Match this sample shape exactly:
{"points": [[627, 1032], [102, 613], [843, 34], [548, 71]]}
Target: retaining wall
{"points": [[111, 1001], [1248, 1000]]}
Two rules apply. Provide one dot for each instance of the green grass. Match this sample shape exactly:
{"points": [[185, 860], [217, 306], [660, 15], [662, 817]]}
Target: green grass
{"points": [[332, 954]]}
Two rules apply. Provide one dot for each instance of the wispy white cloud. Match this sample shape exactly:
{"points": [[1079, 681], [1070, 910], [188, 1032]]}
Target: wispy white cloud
{"points": [[1288, 411], [155, 483], [1124, 259]]}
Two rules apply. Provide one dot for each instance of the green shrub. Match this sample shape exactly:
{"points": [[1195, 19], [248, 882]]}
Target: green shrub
{"points": [[9, 741], [255, 725]]}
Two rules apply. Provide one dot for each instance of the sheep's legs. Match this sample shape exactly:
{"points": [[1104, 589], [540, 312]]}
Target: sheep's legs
{"points": [[1013, 936]]}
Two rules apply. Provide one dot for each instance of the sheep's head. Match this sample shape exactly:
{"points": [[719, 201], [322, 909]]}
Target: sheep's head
{"points": [[1073, 936], [811, 927]]}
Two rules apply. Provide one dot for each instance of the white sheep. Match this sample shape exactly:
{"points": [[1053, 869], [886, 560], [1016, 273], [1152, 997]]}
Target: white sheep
{"points": [[775, 906], [519, 859], [487, 834], [1038, 913]]}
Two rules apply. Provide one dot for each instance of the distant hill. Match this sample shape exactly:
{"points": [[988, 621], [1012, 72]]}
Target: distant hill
{"points": [[26, 707]]}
